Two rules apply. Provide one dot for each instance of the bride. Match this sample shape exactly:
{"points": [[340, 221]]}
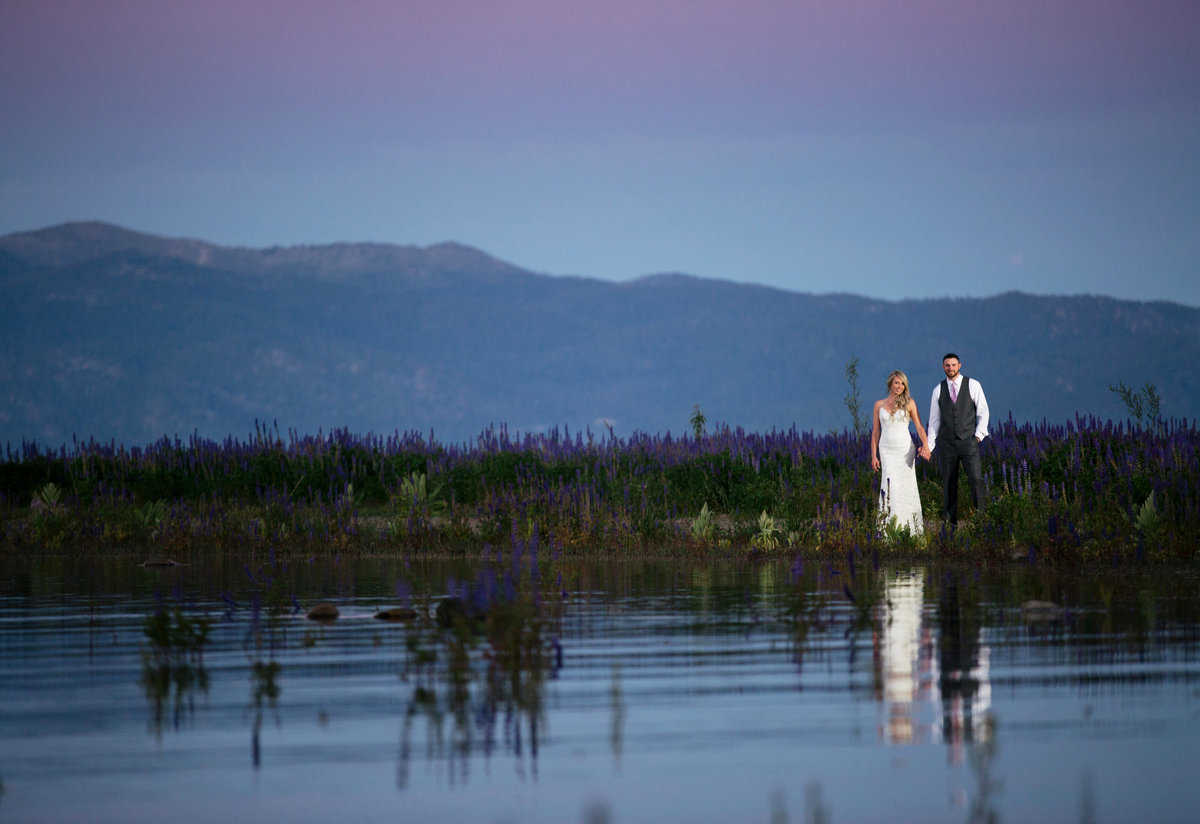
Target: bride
{"points": [[892, 448]]}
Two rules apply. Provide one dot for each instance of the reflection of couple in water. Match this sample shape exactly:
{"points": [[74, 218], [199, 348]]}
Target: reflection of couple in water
{"points": [[958, 422]]}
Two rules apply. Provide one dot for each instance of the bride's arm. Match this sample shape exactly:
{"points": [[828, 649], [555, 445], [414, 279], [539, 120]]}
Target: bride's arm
{"points": [[916, 417], [875, 436]]}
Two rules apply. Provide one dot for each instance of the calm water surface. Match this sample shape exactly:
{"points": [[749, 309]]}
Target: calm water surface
{"points": [[639, 692]]}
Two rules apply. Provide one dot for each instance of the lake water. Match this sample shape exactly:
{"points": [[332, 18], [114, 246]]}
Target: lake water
{"points": [[638, 692]]}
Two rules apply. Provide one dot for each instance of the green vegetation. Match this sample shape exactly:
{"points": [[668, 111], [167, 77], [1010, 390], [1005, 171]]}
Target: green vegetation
{"points": [[1086, 490], [697, 420], [1144, 405], [853, 399]]}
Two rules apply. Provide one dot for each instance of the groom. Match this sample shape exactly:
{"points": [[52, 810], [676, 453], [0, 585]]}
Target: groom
{"points": [[958, 422]]}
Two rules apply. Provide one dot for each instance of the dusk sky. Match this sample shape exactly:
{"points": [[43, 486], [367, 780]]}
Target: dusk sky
{"points": [[886, 148]]}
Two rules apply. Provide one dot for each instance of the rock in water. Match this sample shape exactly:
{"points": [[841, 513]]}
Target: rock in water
{"points": [[1041, 611], [323, 612], [397, 614]]}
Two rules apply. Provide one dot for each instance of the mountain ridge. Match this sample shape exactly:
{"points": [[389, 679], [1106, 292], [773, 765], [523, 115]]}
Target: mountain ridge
{"points": [[118, 334]]}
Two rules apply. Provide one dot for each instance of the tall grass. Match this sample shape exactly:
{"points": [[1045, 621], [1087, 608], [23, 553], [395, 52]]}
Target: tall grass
{"points": [[1086, 489]]}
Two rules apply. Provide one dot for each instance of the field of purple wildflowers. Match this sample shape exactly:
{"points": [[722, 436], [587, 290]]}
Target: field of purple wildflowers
{"points": [[1083, 490]]}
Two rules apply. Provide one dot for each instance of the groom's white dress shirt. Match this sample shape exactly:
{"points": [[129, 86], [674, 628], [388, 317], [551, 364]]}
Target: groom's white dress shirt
{"points": [[981, 410]]}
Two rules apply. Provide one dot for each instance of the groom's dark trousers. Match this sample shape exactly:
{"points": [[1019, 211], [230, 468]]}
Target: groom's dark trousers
{"points": [[953, 452]]}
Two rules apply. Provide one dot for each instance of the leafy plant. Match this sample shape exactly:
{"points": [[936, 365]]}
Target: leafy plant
{"points": [[415, 493], [768, 532], [149, 516], [697, 420], [702, 524], [898, 535], [48, 497], [853, 399], [50, 518], [1147, 516], [1143, 405]]}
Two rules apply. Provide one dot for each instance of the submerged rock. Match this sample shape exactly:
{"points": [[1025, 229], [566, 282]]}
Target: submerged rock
{"points": [[160, 562], [1041, 611], [397, 614], [323, 612]]}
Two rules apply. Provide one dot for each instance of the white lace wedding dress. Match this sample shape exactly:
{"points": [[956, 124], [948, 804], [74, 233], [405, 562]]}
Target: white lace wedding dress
{"points": [[898, 496]]}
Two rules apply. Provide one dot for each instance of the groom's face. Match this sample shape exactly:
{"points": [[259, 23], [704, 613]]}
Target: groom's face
{"points": [[951, 366]]}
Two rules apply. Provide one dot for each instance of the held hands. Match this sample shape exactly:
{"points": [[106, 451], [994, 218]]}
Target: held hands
{"points": [[925, 453]]}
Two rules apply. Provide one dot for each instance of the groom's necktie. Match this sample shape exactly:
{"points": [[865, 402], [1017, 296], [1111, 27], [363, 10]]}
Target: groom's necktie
{"points": [[953, 393]]}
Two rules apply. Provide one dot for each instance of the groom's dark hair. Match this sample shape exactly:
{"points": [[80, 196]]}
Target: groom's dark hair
{"points": [[949, 355]]}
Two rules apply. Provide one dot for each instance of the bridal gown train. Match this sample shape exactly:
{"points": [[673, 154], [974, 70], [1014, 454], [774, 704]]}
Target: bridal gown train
{"points": [[898, 496]]}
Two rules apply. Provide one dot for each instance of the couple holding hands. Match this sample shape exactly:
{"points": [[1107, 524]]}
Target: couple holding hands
{"points": [[958, 422]]}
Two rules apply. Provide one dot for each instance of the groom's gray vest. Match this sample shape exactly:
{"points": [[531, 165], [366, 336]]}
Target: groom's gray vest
{"points": [[958, 419]]}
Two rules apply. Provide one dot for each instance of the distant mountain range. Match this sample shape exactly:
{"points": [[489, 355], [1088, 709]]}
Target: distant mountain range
{"points": [[112, 334]]}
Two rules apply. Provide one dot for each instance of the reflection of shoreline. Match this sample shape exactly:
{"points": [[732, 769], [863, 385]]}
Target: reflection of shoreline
{"points": [[932, 679], [176, 684], [173, 665], [479, 679]]}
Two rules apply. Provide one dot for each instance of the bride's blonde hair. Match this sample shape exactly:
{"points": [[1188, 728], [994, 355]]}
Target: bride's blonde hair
{"points": [[904, 396]]}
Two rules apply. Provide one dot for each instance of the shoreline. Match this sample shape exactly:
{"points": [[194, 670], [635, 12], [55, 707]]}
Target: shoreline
{"points": [[1083, 491]]}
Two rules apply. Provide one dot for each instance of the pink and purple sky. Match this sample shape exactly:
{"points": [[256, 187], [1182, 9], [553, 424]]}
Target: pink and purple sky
{"points": [[891, 148]]}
